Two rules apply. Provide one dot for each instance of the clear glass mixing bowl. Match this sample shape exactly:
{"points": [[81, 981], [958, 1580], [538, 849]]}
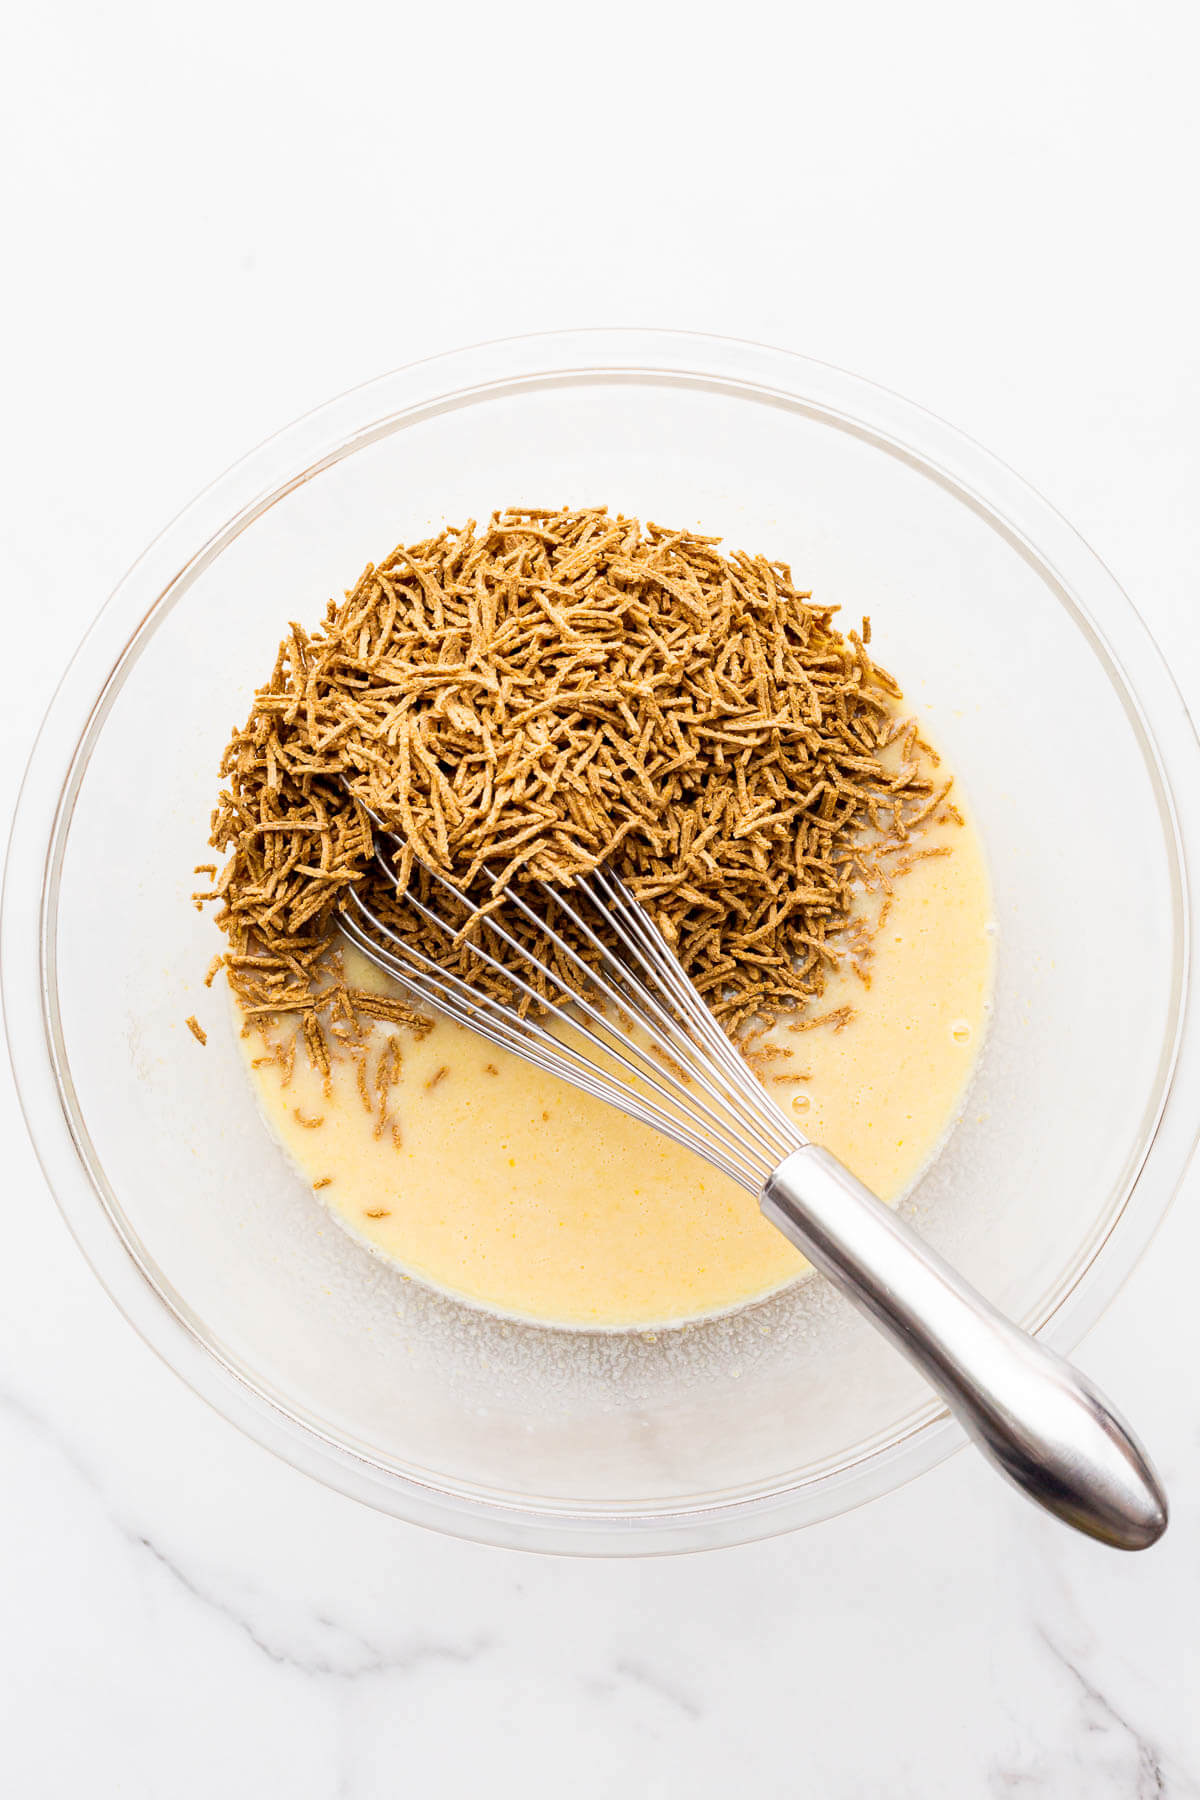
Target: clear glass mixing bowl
{"points": [[1080, 764]]}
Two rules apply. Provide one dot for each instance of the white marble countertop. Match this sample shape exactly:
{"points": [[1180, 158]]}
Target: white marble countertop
{"points": [[223, 216]]}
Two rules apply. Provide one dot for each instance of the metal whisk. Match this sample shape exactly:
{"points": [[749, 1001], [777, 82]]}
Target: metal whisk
{"points": [[634, 1032]]}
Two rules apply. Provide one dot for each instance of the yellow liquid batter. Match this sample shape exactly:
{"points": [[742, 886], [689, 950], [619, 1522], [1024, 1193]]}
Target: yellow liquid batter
{"points": [[525, 1196]]}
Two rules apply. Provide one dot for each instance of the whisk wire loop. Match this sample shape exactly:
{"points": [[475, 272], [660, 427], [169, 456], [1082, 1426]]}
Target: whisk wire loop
{"points": [[654, 955], [457, 1000], [687, 1080], [637, 1064]]}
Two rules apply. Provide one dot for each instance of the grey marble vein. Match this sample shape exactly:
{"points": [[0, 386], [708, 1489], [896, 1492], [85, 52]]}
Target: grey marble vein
{"points": [[1139, 1769], [1151, 1778], [627, 1672], [365, 1658], [39, 1426], [349, 1653]]}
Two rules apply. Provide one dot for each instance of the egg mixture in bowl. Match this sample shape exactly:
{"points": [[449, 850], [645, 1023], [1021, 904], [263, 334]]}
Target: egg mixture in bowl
{"points": [[370, 1265]]}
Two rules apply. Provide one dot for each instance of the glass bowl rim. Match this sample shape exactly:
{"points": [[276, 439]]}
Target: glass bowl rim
{"points": [[302, 450]]}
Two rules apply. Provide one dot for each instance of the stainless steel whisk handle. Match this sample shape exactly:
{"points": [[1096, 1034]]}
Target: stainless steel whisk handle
{"points": [[1039, 1420]]}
